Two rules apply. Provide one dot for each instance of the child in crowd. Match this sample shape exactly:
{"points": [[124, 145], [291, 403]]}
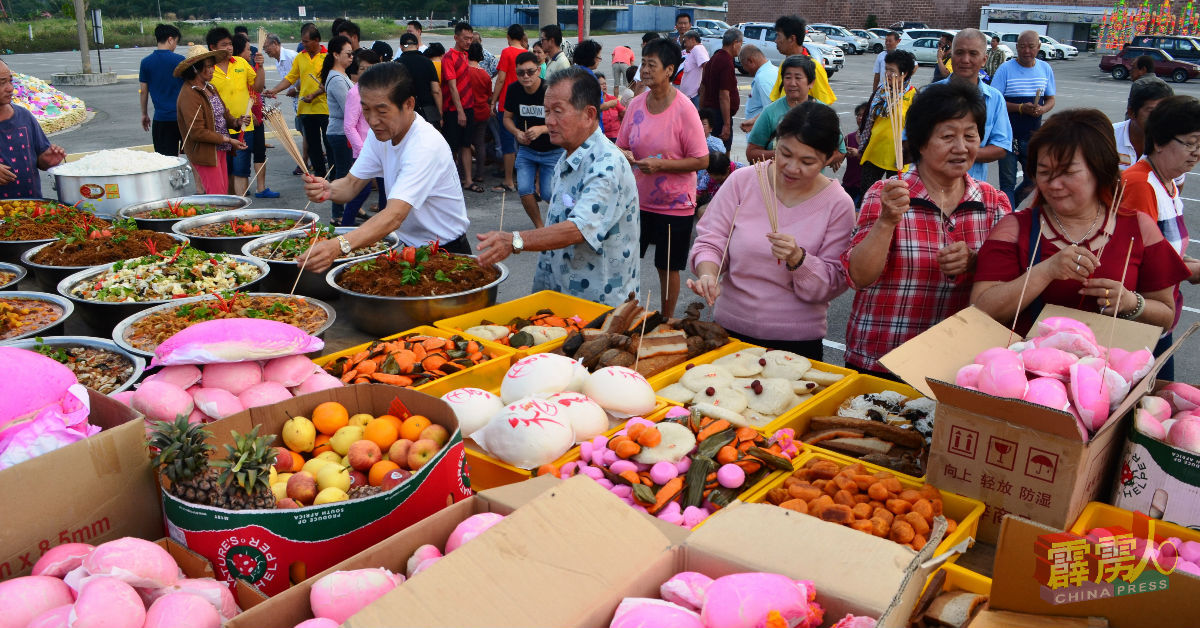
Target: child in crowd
{"points": [[719, 169], [852, 177], [708, 115], [627, 92], [613, 115]]}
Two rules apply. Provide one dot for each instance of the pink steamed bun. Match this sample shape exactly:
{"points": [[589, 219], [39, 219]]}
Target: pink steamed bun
{"points": [[236, 377], [341, 594], [29, 596], [105, 603], [135, 561], [470, 528], [640, 612], [61, 559], [234, 340], [182, 610]]}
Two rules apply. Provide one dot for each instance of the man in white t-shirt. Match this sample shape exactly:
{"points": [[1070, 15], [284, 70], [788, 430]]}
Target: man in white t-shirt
{"points": [[889, 44], [425, 201], [693, 66]]}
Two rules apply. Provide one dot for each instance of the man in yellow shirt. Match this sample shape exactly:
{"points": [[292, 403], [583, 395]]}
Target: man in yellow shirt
{"points": [[789, 40], [234, 79], [313, 111]]}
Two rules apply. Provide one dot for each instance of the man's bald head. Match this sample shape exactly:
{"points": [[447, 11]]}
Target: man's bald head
{"points": [[751, 58], [6, 85]]}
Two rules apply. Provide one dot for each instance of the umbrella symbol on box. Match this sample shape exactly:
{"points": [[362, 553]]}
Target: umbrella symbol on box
{"points": [[1041, 465]]}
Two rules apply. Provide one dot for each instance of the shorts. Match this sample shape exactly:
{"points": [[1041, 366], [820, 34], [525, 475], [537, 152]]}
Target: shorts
{"points": [[458, 137], [532, 165], [673, 233], [238, 163], [507, 141]]}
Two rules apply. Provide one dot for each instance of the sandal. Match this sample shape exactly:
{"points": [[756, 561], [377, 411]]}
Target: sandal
{"points": [[503, 187], [474, 187]]}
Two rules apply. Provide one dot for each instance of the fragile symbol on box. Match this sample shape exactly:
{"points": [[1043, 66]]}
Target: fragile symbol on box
{"points": [[1041, 465], [962, 441], [1001, 453]]}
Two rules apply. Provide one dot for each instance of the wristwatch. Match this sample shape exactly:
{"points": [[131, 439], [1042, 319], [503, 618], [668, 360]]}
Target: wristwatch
{"points": [[344, 244], [517, 243]]}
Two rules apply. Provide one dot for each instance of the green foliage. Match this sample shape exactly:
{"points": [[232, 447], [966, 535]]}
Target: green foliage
{"points": [[181, 448], [872, 21], [247, 462]]}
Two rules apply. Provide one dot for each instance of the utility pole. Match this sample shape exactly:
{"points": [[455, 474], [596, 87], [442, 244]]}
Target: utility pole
{"points": [[585, 25], [81, 27], [547, 12]]}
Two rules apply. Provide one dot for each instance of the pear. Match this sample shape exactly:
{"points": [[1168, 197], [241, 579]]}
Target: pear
{"points": [[299, 434], [361, 420], [330, 495], [333, 476], [314, 466], [329, 456], [344, 437]]}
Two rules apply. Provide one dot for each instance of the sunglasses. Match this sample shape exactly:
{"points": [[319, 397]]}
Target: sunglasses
{"points": [[529, 72]]}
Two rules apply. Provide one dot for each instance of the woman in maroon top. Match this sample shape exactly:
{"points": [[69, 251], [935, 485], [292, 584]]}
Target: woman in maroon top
{"points": [[1083, 242]]}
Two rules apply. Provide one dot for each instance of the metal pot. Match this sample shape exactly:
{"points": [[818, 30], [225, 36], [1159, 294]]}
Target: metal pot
{"points": [[104, 315], [16, 269], [283, 274], [53, 329], [164, 224], [139, 364], [11, 250], [233, 244], [384, 316], [47, 277], [122, 328], [110, 193]]}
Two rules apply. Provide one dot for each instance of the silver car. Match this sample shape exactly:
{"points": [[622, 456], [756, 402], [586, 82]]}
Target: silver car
{"points": [[874, 40], [847, 41], [924, 50]]}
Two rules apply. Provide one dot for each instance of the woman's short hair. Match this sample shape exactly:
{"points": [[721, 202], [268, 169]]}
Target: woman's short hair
{"points": [[718, 163], [435, 50], [586, 53], [475, 52], [800, 61], [812, 123], [903, 60], [1085, 131], [940, 102], [1174, 116], [666, 51]]}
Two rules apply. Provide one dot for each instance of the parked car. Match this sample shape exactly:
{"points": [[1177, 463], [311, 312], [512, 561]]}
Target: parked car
{"points": [[924, 50], [1164, 64], [874, 40], [918, 33], [1178, 46], [714, 25], [762, 35], [810, 33], [1046, 53], [903, 26], [1008, 52], [847, 41], [1062, 51]]}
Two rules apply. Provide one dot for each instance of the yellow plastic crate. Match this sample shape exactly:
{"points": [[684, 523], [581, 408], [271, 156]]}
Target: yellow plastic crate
{"points": [[831, 398], [502, 358], [563, 305], [672, 375], [963, 579], [1099, 515], [964, 510]]}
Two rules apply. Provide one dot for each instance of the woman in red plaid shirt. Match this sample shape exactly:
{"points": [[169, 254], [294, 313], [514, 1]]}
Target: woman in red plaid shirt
{"points": [[912, 253]]}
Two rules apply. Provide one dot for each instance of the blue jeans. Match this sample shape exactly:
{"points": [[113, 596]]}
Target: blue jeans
{"points": [[532, 163], [1008, 172], [493, 125], [506, 140]]}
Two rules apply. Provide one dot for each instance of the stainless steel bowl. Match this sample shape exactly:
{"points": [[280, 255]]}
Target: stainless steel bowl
{"points": [[233, 244], [53, 329], [16, 269], [122, 328], [139, 364], [384, 316], [11, 250], [104, 315], [164, 224], [283, 274], [47, 277]]}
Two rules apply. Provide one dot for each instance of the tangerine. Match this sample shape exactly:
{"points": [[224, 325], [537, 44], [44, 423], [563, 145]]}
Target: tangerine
{"points": [[330, 417], [297, 460], [382, 432], [396, 421], [380, 469], [413, 426], [321, 445]]}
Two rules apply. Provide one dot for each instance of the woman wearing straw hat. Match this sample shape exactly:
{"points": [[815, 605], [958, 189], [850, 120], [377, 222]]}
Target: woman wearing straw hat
{"points": [[204, 121]]}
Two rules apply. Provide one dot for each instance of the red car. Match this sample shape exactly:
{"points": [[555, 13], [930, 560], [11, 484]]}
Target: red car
{"points": [[1164, 64]]}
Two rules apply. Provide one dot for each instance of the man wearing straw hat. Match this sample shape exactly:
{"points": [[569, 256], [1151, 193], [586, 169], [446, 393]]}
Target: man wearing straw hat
{"points": [[204, 121], [425, 202]]}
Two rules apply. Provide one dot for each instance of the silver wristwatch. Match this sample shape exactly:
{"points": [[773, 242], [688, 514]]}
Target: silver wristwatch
{"points": [[344, 244], [517, 243]]}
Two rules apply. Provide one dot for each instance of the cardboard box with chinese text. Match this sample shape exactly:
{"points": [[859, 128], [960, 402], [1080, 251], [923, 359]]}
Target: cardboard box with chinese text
{"points": [[1014, 456]]}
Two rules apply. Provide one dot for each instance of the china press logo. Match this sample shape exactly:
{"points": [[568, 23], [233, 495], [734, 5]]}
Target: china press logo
{"points": [[1073, 569]]}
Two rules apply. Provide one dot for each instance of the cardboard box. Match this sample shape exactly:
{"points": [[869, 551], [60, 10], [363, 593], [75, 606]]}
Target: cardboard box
{"points": [[569, 556], [96, 490], [269, 548], [1153, 599], [1014, 456]]}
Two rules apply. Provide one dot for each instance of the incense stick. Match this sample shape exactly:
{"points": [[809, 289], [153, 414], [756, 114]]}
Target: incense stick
{"points": [[895, 99], [1118, 196], [274, 119], [502, 193], [258, 174], [728, 238], [1025, 284], [262, 39], [1112, 329], [189, 131]]}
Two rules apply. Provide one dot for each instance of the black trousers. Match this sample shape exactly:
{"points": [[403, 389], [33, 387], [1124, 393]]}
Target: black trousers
{"points": [[166, 137], [811, 349], [313, 127]]}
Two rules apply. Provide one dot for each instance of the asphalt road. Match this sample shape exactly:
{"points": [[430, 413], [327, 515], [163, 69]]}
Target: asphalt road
{"points": [[116, 123]]}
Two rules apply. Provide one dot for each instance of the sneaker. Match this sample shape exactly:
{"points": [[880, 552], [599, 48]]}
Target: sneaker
{"points": [[267, 193], [297, 171]]}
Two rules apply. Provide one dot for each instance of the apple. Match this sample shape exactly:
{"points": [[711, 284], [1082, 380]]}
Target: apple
{"points": [[286, 502], [357, 478], [394, 478], [363, 454], [284, 460], [422, 451], [361, 420], [435, 433], [398, 452], [302, 487]]}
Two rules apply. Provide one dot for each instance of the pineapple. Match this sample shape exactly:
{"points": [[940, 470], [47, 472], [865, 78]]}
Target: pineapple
{"points": [[246, 471], [362, 492], [183, 458]]}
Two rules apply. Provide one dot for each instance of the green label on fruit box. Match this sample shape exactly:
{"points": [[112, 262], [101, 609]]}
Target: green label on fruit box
{"points": [[1158, 480], [1180, 464], [273, 548]]}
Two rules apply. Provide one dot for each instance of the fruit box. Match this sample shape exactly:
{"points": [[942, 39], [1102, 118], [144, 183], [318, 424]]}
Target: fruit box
{"points": [[494, 368], [1101, 515], [95, 490], [1017, 457], [672, 375], [563, 305], [556, 562], [828, 405], [270, 548], [964, 510]]}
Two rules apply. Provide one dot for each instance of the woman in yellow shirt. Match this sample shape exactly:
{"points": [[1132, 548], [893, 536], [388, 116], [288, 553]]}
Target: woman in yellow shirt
{"points": [[879, 155], [313, 109]]}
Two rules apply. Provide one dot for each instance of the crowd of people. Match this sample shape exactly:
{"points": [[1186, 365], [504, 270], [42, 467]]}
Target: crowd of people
{"points": [[912, 227]]}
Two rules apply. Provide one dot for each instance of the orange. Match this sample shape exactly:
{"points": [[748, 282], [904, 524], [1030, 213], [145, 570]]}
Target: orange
{"points": [[382, 432], [329, 417], [297, 460], [413, 426], [393, 420], [380, 469], [321, 445]]}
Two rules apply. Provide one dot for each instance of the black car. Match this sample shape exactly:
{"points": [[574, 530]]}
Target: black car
{"points": [[1178, 46]]}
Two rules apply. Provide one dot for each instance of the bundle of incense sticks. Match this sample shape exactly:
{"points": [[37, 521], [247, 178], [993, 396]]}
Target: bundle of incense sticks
{"points": [[262, 39], [283, 132], [894, 92], [767, 184]]}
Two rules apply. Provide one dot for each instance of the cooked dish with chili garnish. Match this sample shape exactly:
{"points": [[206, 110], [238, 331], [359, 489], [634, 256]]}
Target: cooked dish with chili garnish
{"points": [[92, 247], [290, 248], [146, 333], [46, 223], [101, 370], [182, 210], [183, 272], [20, 316], [241, 228]]}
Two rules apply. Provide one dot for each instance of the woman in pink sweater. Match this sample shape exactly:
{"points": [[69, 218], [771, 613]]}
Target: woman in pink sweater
{"points": [[774, 289]]}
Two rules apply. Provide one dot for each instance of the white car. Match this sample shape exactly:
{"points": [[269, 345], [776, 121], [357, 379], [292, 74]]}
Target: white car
{"points": [[715, 25], [1008, 52], [1046, 53], [924, 50], [1062, 51], [762, 35], [874, 40], [847, 41]]}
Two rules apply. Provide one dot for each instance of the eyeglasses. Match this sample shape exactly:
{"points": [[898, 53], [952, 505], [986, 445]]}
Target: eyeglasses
{"points": [[1191, 147], [529, 72]]}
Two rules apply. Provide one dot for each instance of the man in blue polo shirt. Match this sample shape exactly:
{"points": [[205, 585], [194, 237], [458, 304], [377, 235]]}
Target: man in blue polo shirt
{"points": [[1028, 87], [160, 85], [969, 52]]}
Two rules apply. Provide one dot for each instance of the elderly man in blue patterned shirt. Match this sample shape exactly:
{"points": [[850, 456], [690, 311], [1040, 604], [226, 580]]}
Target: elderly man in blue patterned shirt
{"points": [[589, 247]]}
